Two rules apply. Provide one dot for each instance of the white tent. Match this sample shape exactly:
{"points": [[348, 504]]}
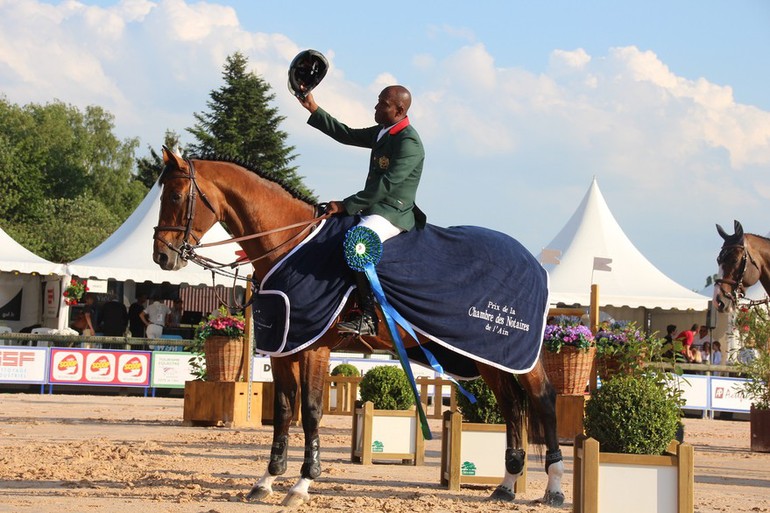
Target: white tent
{"points": [[593, 240], [16, 258], [127, 253], [21, 289]]}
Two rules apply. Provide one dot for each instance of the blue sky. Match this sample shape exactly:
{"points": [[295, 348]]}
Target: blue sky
{"points": [[519, 104]]}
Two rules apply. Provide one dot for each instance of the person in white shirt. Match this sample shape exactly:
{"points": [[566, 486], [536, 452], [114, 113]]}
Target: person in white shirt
{"points": [[701, 337], [154, 317]]}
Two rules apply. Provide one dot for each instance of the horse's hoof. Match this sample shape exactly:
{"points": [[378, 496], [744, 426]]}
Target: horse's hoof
{"points": [[553, 498], [502, 493], [257, 493], [294, 499]]}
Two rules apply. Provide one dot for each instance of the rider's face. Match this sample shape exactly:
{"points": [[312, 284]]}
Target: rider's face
{"points": [[386, 112]]}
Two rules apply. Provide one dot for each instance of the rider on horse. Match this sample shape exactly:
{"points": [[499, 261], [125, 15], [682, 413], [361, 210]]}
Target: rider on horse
{"points": [[387, 202]]}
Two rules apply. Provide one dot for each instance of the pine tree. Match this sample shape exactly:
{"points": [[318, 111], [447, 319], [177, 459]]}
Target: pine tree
{"points": [[241, 124]]}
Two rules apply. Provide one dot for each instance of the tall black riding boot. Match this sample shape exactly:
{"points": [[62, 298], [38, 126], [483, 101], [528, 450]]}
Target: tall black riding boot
{"points": [[363, 322]]}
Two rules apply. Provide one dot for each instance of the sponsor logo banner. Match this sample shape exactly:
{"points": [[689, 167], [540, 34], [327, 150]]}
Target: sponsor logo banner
{"points": [[100, 367], [23, 364]]}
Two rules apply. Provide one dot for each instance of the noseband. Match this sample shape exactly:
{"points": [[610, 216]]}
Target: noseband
{"points": [[186, 250], [737, 290]]}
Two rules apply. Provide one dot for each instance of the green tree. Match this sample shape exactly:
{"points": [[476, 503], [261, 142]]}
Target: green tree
{"points": [[148, 168], [241, 124], [56, 159]]}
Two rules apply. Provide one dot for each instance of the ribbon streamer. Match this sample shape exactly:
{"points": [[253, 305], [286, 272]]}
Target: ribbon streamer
{"points": [[363, 250]]}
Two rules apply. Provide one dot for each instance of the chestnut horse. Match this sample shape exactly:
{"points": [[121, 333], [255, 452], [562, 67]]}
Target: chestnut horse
{"points": [[268, 219], [743, 261]]}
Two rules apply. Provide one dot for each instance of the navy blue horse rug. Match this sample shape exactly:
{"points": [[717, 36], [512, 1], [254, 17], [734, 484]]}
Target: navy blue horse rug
{"points": [[473, 292]]}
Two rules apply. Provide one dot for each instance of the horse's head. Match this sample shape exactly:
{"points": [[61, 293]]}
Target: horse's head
{"points": [[732, 260], [186, 213]]}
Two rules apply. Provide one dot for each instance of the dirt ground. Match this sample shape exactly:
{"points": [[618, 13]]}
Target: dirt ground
{"points": [[84, 453]]}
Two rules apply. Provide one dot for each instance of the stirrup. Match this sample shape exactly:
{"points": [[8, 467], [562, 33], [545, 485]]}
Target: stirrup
{"points": [[361, 325]]}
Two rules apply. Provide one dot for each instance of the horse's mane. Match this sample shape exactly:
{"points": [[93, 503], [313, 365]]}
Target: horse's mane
{"points": [[267, 175], [761, 237]]}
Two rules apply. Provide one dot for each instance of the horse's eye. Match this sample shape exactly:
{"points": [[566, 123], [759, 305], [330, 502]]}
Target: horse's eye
{"points": [[176, 197]]}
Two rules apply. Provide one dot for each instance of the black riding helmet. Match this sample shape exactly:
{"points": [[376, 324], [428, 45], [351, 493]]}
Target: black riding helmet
{"points": [[306, 71]]}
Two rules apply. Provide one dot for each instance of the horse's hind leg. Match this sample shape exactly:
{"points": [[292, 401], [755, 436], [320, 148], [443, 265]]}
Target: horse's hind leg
{"points": [[511, 401], [314, 366], [286, 382], [543, 400]]}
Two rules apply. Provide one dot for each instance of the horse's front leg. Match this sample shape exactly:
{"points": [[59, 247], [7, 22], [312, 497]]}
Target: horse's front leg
{"points": [[314, 366], [286, 382]]}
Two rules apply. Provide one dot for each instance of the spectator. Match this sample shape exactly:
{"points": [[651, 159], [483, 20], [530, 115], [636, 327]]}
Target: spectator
{"points": [[716, 353], [177, 311], [135, 322], [89, 313], [668, 344], [155, 316], [687, 337], [703, 336], [705, 352], [114, 318]]}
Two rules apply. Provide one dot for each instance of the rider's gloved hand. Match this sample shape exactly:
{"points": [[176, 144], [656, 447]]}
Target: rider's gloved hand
{"points": [[335, 208]]}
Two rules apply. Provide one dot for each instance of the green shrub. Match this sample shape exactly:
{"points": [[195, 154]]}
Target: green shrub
{"points": [[485, 411], [345, 369], [633, 414], [387, 387]]}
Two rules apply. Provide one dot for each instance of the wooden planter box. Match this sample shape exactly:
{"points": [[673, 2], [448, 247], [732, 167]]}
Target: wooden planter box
{"points": [[222, 403], [632, 483], [386, 435], [760, 430], [475, 453]]}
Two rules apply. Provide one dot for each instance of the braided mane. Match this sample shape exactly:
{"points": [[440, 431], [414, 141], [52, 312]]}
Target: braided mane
{"points": [[267, 175]]}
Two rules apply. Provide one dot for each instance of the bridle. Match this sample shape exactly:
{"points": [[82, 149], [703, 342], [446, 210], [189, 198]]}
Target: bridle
{"points": [[737, 290], [186, 249]]}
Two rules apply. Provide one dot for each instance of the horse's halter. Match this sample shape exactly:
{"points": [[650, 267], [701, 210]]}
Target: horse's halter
{"points": [[737, 289], [186, 251]]}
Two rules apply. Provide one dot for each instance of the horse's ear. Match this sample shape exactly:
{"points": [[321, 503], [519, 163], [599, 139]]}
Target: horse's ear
{"points": [[169, 157], [722, 232], [738, 229]]}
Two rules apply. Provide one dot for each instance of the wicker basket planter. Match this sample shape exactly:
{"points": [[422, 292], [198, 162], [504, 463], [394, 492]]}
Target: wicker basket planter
{"points": [[224, 358], [570, 369]]}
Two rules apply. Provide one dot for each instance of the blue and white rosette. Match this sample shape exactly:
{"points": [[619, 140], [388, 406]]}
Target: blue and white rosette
{"points": [[363, 250]]}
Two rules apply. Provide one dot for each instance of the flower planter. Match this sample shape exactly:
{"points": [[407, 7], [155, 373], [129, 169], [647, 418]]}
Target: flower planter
{"points": [[570, 369], [632, 483], [760, 430], [386, 435], [474, 453], [224, 358]]}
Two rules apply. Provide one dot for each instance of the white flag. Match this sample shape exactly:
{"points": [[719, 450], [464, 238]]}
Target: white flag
{"points": [[550, 256], [602, 264]]}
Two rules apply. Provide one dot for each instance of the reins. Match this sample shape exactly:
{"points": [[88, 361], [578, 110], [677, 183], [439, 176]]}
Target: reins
{"points": [[187, 250]]}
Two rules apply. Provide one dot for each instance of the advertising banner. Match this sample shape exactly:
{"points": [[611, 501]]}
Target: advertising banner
{"points": [[724, 395], [52, 299], [100, 367], [170, 369], [23, 364]]}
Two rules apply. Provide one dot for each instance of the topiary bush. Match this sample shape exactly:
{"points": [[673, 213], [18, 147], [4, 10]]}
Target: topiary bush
{"points": [[387, 387], [633, 414], [485, 411], [345, 369]]}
